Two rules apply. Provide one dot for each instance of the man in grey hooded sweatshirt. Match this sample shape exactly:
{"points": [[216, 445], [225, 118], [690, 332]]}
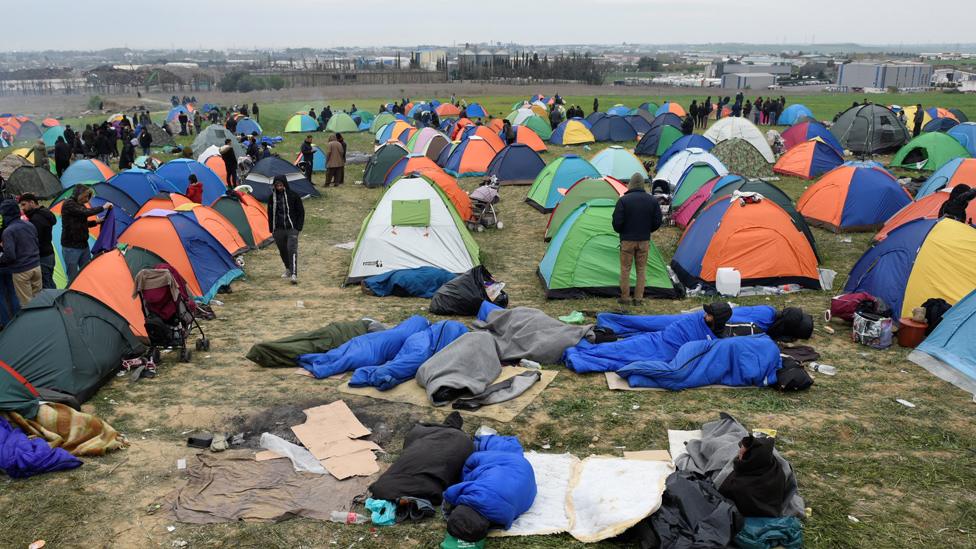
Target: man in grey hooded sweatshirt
{"points": [[286, 217]]}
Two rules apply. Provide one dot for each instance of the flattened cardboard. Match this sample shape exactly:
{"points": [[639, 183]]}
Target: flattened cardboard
{"points": [[357, 464]]}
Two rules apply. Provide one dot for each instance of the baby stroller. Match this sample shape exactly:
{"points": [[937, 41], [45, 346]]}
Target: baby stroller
{"points": [[170, 311], [483, 200]]}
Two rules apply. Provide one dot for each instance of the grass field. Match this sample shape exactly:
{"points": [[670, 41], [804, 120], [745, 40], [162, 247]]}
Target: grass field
{"points": [[907, 475]]}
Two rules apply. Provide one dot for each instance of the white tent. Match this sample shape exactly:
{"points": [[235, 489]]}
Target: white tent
{"points": [[733, 126], [212, 150], [413, 225], [672, 170]]}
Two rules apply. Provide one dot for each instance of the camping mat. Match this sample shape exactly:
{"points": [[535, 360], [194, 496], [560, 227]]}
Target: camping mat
{"points": [[232, 486], [678, 439], [617, 383], [411, 392], [594, 499]]}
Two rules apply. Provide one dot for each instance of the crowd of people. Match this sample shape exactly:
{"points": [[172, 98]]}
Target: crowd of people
{"points": [[763, 111]]}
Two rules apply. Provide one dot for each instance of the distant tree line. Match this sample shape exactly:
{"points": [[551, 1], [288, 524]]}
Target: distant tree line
{"points": [[243, 81], [574, 66]]}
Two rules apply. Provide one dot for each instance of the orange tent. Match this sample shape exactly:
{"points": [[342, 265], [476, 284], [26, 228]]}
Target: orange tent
{"points": [[926, 207], [216, 164], [496, 124], [50, 122], [108, 279], [470, 158], [459, 127], [217, 225], [163, 201], [248, 216], [489, 135], [526, 136], [447, 110]]}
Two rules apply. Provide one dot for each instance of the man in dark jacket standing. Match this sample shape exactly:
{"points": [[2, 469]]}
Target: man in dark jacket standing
{"points": [[230, 163], [20, 256], [62, 155], [917, 120], [286, 217], [74, 229], [43, 221], [308, 157], [635, 217]]}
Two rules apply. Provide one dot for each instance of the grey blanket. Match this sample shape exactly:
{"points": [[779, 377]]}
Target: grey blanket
{"points": [[524, 332], [465, 368], [712, 456]]}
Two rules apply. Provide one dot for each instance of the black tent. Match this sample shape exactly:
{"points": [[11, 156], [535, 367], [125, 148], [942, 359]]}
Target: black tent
{"points": [[62, 346], [380, 162], [263, 173], [28, 179], [870, 129]]}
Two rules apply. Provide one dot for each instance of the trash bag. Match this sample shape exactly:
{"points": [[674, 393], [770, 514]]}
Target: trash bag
{"points": [[463, 295]]}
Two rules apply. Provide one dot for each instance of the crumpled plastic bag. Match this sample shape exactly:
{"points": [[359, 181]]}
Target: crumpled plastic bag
{"points": [[301, 459]]}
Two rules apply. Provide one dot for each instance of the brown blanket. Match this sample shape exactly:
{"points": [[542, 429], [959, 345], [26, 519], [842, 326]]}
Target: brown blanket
{"points": [[79, 433]]}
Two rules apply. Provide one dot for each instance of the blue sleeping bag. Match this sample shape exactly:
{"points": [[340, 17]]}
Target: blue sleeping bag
{"points": [[661, 345], [22, 457], [744, 361], [365, 350], [627, 325], [419, 282], [497, 481], [415, 351]]}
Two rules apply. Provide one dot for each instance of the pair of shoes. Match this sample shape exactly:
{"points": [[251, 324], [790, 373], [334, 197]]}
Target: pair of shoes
{"points": [[294, 279], [286, 274], [637, 302], [623, 301]]}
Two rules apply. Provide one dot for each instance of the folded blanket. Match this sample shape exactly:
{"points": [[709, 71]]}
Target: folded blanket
{"points": [[22, 457], [529, 333], [365, 350], [282, 353], [416, 349], [661, 345], [64, 427], [736, 361]]}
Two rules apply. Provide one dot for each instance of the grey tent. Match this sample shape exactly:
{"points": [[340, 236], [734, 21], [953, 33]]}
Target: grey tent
{"points": [[216, 135], [28, 179], [870, 129], [160, 137], [10, 163], [743, 158], [28, 131]]}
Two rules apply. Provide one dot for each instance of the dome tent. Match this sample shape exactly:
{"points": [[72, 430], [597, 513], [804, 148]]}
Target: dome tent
{"points": [[665, 131], [922, 259], [262, 175], [516, 164], [926, 207], [732, 127], [526, 136], [740, 157], [808, 160], [954, 172], [572, 132], [869, 129], [732, 233], [86, 171], [142, 185], [342, 123], [848, 198], [216, 135], [413, 225], [948, 352], [686, 142], [470, 158], [558, 175], [381, 161], [804, 131], [247, 126], [580, 192], [39, 181], [429, 142], [300, 123], [178, 172], [965, 134], [248, 216], [695, 176], [929, 151], [583, 258], [618, 163], [613, 128], [675, 167], [795, 113]]}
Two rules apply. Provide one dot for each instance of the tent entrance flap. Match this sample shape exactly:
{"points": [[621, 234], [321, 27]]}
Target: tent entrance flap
{"points": [[411, 213]]}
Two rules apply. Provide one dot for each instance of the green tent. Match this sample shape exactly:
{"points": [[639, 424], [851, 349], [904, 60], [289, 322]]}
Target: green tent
{"points": [[539, 125], [341, 123], [584, 258], [381, 120], [694, 177], [742, 158], [374, 175], [558, 176], [581, 192], [62, 346], [28, 179], [929, 151], [51, 135]]}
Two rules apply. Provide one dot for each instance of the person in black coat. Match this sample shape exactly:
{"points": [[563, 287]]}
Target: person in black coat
{"points": [[636, 215], [955, 207], [43, 221], [286, 218], [917, 120], [688, 125], [62, 156]]}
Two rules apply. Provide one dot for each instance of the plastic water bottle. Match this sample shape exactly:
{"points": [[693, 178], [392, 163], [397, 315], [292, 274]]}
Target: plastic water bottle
{"points": [[348, 517], [825, 369], [530, 364]]}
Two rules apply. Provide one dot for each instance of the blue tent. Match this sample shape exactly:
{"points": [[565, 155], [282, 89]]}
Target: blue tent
{"points": [[949, 352], [805, 131], [641, 124], [142, 185], [85, 171], [946, 176], [618, 110], [595, 117], [793, 114], [686, 142], [51, 135], [475, 110], [516, 164], [613, 128], [175, 112], [178, 173], [248, 126], [942, 124], [965, 133]]}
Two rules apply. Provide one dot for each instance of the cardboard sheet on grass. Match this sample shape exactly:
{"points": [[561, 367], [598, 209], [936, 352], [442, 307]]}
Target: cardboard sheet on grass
{"points": [[617, 383], [594, 499], [333, 434], [412, 393]]}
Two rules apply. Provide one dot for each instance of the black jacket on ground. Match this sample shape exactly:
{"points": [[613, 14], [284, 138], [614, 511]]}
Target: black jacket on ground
{"points": [[75, 223], [757, 484], [432, 459], [285, 212], [43, 220], [636, 216]]}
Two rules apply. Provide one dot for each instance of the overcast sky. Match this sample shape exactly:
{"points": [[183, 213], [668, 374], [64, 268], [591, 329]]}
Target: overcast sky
{"points": [[96, 24]]}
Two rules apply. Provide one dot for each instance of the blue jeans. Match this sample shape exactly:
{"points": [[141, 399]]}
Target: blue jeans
{"points": [[75, 260], [47, 272]]}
